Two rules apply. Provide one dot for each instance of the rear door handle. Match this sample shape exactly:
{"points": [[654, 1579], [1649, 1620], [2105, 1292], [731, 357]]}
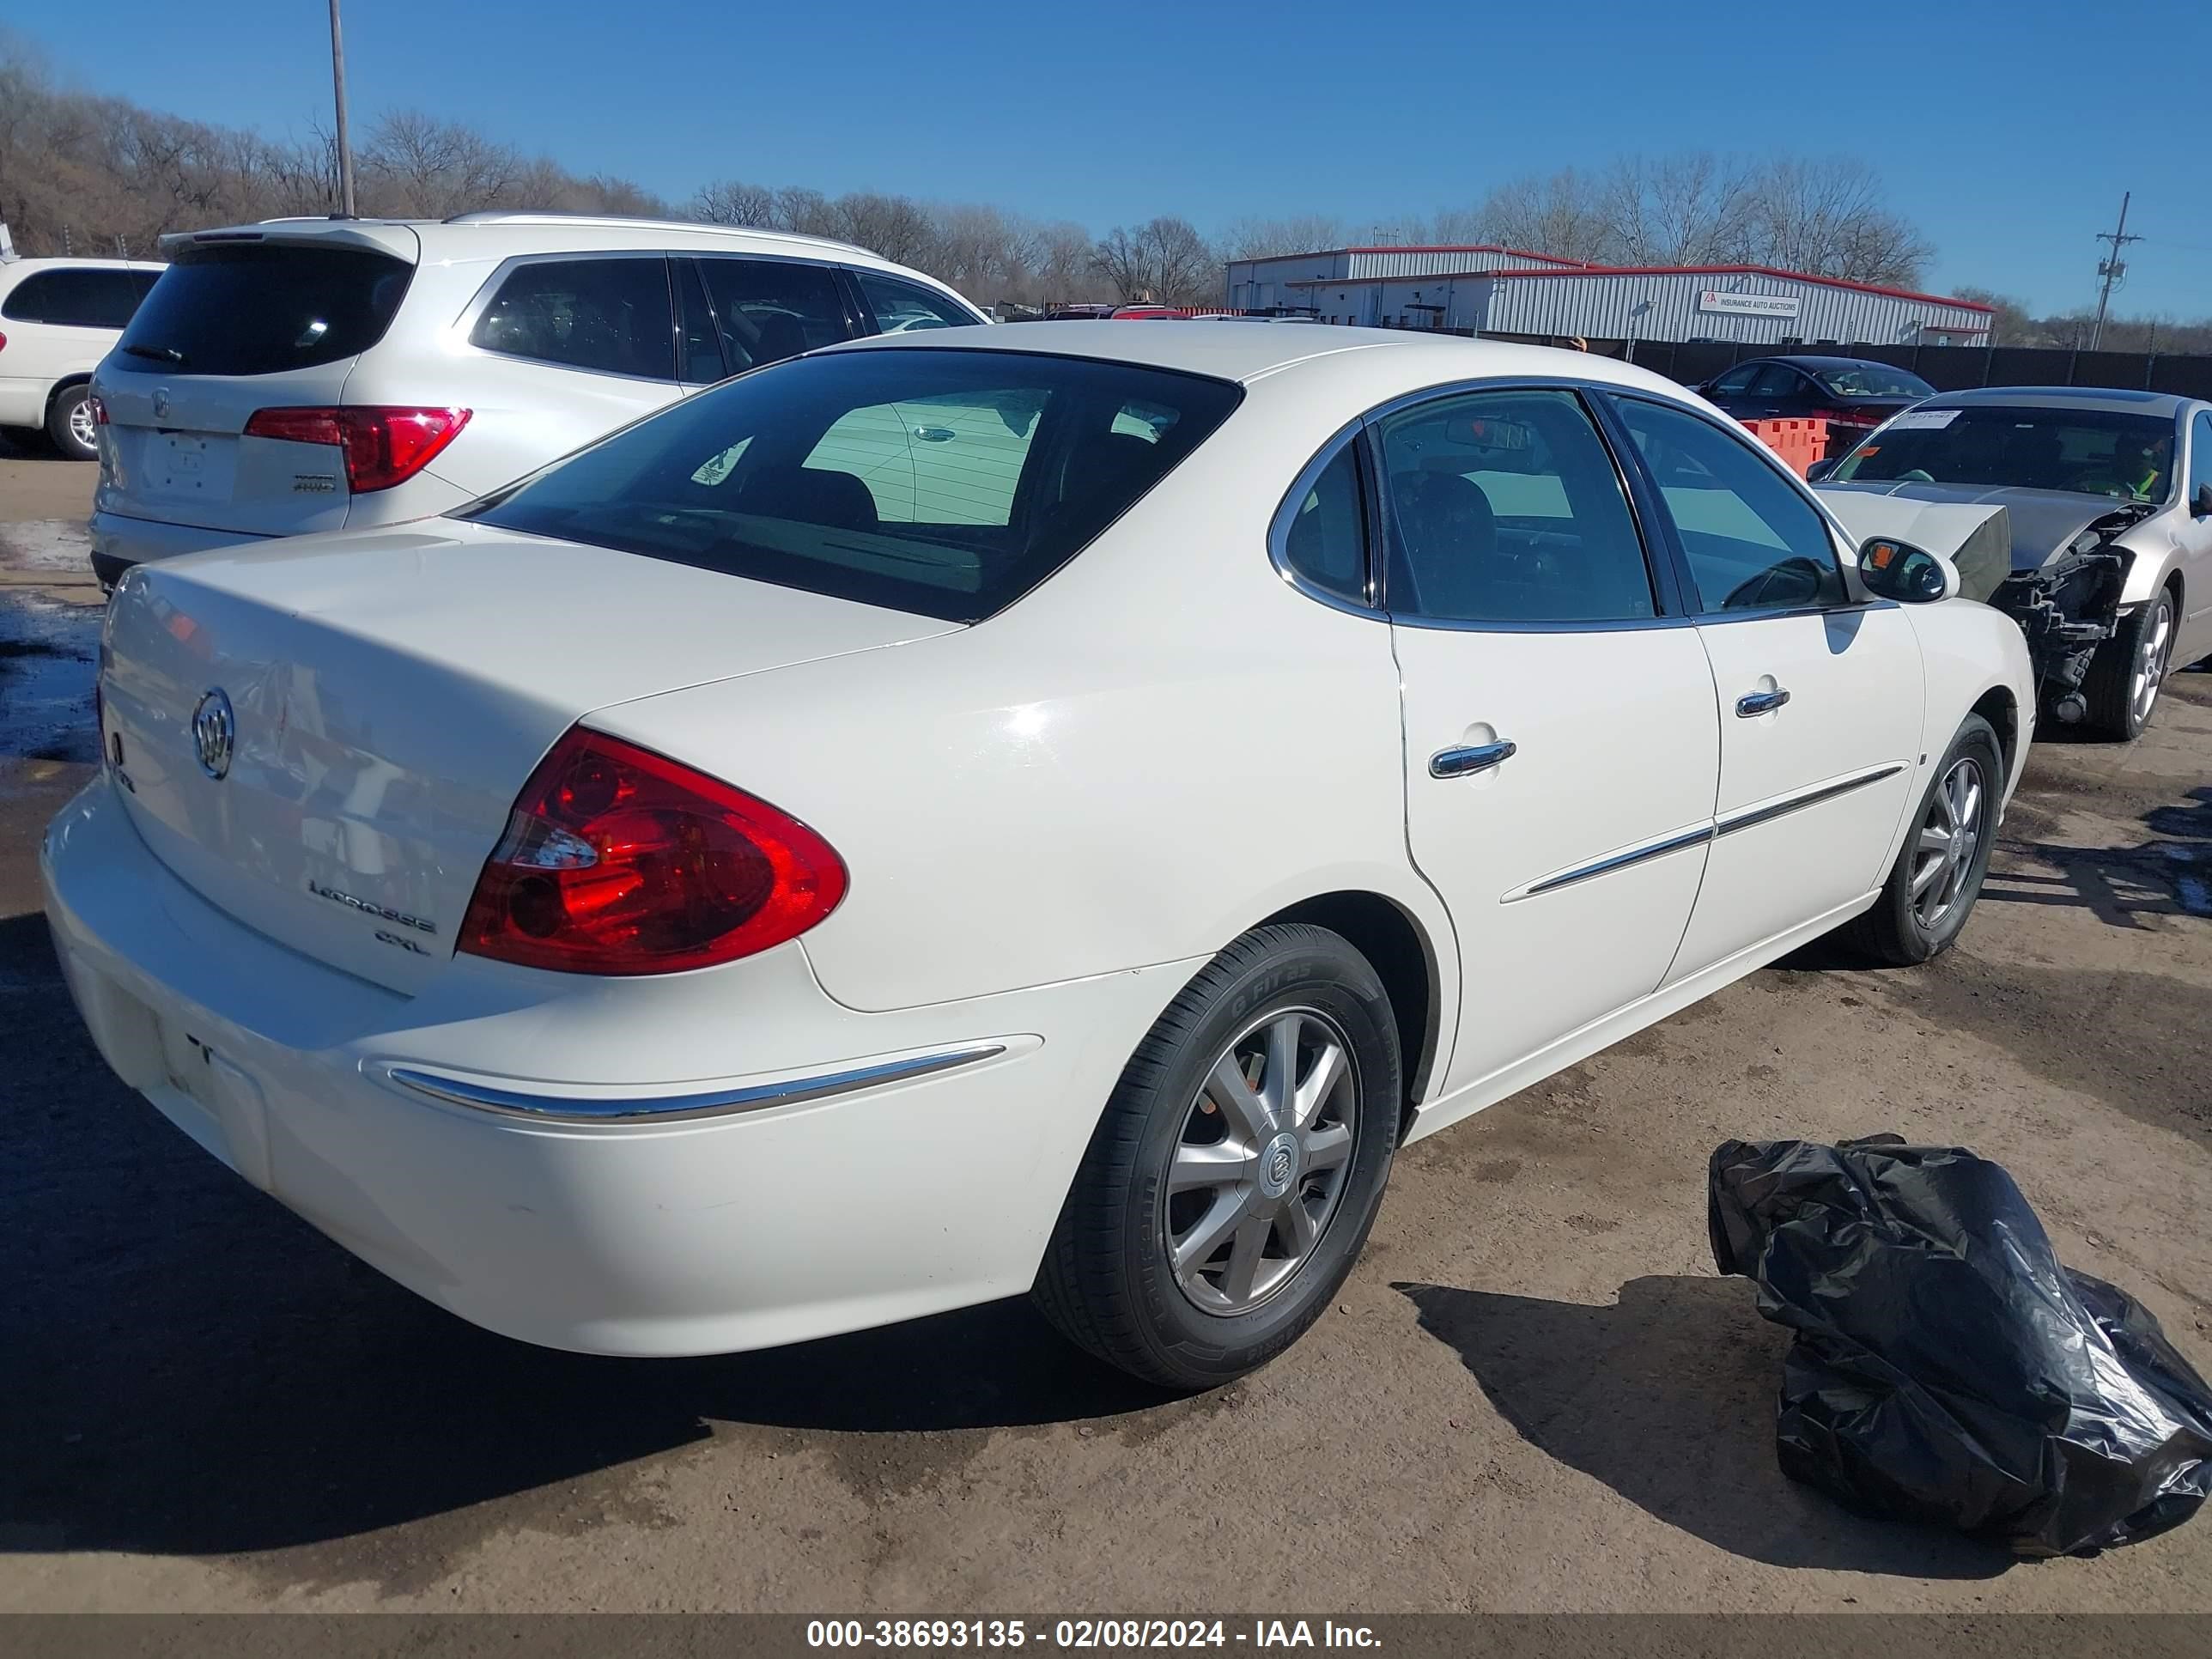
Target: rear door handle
{"points": [[1467, 761], [1752, 704]]}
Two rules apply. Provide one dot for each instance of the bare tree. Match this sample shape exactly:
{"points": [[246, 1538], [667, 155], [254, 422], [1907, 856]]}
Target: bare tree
{"points": [[733, 202], [1688, 209], [415, 165], [1303, 233], [1164, 259], [1826, 218], [1563, 214]]}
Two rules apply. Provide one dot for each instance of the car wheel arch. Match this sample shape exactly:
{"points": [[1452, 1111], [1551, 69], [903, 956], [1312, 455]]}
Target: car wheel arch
{"points": [[66, 382], [1404, 957], [2001, 710]]}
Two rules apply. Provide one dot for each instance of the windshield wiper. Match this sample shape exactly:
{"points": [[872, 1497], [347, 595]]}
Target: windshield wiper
{"points": [[159, 354]]}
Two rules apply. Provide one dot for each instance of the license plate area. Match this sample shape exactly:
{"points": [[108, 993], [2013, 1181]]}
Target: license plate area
{"points": [[178, 461]]}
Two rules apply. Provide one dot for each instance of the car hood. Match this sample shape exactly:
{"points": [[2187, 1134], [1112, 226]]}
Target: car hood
{"points": [[2044, 523]]}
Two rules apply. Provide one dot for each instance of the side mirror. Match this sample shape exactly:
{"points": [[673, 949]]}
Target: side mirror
{"points": [[2200, 505], [1910, 575], [1819, 470]]}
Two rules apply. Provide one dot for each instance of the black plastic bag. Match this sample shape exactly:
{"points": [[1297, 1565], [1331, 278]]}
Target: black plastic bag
{"points": [[1946, 1369]]}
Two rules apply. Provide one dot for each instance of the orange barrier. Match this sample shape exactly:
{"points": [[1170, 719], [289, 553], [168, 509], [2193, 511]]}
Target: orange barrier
{"points": [[1799, 443]]}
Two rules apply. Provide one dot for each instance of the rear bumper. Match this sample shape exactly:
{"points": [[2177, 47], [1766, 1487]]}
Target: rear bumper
{"points": [[118, 542], [871, 1168]]}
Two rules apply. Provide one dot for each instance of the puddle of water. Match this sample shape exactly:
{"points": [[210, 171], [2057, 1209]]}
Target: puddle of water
{"points": [[46, 544], [48, 654]]}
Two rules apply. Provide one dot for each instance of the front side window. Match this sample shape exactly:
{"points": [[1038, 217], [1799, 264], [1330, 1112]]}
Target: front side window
{"points": [[771, 309], [1753, 541], [945, 482], [900, 307], [1776, 380], [1326, 540], [1737, 381], [86, 298], [1505, 506], [608, 315]]}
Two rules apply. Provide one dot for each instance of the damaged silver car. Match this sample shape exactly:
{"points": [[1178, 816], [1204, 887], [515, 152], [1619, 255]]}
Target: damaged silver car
{"points": [[2083, 513]]}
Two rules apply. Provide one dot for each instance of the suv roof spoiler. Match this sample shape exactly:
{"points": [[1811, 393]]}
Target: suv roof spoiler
{"points": [[384, 236], [628, 221]]}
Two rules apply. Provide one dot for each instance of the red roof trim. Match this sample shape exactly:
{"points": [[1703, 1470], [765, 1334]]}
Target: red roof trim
{"points": [[1421, 248], [1658, 270]]}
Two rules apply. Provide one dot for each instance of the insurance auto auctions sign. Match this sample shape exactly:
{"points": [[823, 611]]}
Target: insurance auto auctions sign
{"points": [[1749, 305]]}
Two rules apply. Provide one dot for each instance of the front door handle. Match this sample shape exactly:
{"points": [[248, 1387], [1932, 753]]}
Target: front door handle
{"points": [[1467, 761], [1752, 704]]}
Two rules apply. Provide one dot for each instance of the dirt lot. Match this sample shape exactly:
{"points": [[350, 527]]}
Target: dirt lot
{"points": [[1533, 1394]]}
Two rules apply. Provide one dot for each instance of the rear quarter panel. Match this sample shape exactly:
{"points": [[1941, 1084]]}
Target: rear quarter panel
{"points": [[1162, 746]]}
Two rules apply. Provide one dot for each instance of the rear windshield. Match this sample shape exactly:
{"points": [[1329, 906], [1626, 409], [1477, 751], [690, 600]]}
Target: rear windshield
{"points": [[258, 308], [932, 480], [2090, 452], [1873, 380]]}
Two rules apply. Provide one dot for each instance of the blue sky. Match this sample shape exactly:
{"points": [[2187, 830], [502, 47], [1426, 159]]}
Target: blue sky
{"points": [[2007, 128]]}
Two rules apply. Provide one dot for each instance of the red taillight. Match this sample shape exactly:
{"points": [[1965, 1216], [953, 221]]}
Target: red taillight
{"points": [[4, 343], [618, 860], [383, 445], [1863, 420], [98, 411]]}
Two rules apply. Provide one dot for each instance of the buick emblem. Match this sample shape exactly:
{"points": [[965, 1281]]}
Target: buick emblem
{"points": [[1279, 1163], [215, 730], [161, 403]]}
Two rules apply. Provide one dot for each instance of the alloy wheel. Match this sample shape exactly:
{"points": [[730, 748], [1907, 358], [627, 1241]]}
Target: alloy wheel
{"points": [[1950, 836], [1258, 1170], [81, 424], [2152, 653]]}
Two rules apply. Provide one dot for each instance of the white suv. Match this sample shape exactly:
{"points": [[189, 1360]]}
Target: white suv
{"points": [[57, 319], [306, 375]]}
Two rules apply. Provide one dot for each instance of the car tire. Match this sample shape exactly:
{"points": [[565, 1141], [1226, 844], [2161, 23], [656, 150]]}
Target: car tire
{"points": [[69, 422], [1932, 887], [1131, 1274], [2127, 670]]}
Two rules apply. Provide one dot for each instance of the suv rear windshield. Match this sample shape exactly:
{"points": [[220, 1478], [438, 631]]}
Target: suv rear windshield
{"points": [[258, 308], [932, 480]]}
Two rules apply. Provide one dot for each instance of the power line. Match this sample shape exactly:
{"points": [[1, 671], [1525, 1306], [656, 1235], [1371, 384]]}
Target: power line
{"points": [[2114, 271]]}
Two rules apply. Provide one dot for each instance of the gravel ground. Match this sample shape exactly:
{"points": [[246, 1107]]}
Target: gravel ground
{"points": [[1533, 1394]]}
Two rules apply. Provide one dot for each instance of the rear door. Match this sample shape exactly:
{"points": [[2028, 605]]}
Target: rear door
{"points": [[233, 327], [1820, 695], [766, 310], [1561, 752]]}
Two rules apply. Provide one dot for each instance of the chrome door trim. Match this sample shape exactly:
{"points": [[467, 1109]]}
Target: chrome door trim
{"points": [[1612, 861], [1466, 760], [1804, 798], [1711, 829], [667, 1108], [1751, 704]]}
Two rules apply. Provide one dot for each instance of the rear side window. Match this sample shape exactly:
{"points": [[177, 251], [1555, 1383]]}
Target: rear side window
{"points": [[1326, 539], [90, 298], [1505, 506], [770, 309], [942, 482], [259, 308], [900, 307], [610, 316]]}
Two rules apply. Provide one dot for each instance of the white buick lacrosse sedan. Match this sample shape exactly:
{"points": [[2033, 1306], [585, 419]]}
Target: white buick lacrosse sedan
{"points": [[1052, 810]]}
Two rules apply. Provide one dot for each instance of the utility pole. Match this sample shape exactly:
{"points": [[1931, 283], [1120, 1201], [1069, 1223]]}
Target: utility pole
{"points": [[345, 145], [2114, 271]]}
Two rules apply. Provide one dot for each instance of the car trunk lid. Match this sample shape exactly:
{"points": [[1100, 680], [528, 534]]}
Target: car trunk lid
{"points": [[388, 693]]}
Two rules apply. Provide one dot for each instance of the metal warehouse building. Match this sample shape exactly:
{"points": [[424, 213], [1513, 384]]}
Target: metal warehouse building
{"points": [[1499, 290]]}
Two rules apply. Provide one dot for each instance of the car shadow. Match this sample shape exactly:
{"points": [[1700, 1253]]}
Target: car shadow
{"points": [[2169, 875], [1668, 1396], [196, 1370]]}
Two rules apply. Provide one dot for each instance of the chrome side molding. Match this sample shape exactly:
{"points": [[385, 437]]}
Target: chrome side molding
{"points": [[665, 1108]]}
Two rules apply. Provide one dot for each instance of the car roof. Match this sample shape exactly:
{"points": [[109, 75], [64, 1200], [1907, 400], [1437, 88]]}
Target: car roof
{"points": [[1805, 360], [2109, 399], [504, 235], [15, 268], [1233, 351]]}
